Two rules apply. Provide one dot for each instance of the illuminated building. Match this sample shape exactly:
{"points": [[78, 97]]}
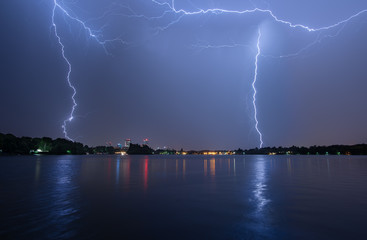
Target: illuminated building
{"points": [[145, 141], [127, 142]]}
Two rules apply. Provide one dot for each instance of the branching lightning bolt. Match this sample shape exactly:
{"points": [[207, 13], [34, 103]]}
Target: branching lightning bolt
{"points": [[267, 11], [92, 34], [170, 8], [71, 116]]}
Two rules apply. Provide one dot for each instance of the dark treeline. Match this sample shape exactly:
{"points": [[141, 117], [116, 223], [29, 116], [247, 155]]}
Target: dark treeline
{"points": [[136, 149], [358, 149], [10, 144]]}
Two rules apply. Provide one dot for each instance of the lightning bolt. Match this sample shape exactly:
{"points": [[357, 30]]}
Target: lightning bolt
{"points": [[71, 115], [254, 88], [170, 8], [91, 34], [183, 12]]}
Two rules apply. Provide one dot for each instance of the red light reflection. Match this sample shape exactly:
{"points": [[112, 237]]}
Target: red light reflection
{"points": [[146, 161]]}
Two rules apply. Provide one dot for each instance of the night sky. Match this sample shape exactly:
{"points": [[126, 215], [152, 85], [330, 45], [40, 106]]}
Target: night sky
{"points": [[185, 84]]}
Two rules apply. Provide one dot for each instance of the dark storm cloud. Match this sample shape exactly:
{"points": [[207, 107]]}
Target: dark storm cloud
{"points": [[165, 87]]}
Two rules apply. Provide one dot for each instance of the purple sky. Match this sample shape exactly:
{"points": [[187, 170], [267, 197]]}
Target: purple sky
{"points": [[189, 85]]}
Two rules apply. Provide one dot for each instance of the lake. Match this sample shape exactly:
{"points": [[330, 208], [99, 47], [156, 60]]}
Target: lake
{"points": [[183, 197]]}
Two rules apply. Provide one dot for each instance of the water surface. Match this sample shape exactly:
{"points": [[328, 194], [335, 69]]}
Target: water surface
{"points": [[183, 197]]}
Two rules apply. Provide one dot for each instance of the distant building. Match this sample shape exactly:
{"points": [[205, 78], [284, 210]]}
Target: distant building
{"points": [[145, 141], [127, 143]]}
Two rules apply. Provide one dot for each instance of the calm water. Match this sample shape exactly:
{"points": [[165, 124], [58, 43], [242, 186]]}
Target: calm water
{"points": [[176, 197]]}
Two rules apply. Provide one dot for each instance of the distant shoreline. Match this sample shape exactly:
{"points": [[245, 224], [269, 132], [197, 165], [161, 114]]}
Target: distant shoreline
{"points": [[12, 145]]}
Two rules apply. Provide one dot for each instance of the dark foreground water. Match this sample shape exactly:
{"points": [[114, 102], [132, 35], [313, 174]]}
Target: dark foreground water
{"points": [[176, 197]]}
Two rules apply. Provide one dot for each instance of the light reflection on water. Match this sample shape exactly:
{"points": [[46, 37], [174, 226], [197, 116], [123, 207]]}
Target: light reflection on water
{"points": [[234, 166], [126, 171], [205, 167], [117, 172], [64, 199], [259, 220], [38, 170], [146, 162], [260, 186], [183, 167], [242, 197], [212, 166]]}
